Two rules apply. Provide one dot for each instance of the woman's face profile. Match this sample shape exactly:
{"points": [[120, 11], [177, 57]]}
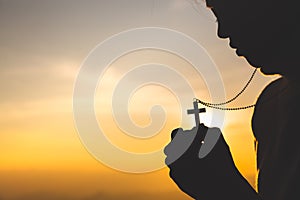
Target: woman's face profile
{"points": [[236, 22], [254, 30]]}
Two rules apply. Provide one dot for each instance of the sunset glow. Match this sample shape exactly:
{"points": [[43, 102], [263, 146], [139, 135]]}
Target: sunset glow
{"points": [[43, 45]]}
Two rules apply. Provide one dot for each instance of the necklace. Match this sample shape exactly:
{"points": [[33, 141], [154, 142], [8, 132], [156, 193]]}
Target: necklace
{"points": [[218, 105]]}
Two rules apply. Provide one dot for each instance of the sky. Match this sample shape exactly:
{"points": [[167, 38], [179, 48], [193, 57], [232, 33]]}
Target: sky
{"points": [[43, 47]]}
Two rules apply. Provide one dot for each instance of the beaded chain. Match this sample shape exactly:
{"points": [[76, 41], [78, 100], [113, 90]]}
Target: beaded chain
{"points": [[217, 105]]}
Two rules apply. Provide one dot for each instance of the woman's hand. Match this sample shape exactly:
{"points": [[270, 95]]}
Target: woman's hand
{"points": [[210, 174]]}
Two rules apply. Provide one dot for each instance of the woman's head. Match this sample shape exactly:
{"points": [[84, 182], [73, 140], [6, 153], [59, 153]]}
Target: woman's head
{"points": [[265, 32]]}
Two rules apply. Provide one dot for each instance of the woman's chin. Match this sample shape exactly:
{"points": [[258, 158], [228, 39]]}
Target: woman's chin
{"points": [[258, 61], [254, 62], [269, 72], [251, 59]]}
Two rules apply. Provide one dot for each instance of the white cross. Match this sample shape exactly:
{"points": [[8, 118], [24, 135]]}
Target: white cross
{"points": [[196, 112]]}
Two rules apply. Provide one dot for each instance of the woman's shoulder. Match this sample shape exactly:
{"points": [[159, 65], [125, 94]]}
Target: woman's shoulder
{"points": [[272, 91], [271, 110]]}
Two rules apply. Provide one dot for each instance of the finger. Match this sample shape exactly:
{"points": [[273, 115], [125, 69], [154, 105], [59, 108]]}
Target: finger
{"points": [[169, 148], [175, 131], [185, 144], [180, 143]]}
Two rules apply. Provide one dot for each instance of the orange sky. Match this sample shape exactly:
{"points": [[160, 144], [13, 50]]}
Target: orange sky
{"points": [[43, 45]]}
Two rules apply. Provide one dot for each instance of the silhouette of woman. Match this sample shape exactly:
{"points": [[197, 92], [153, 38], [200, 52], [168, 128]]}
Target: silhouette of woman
{"points": [[266, 33]]}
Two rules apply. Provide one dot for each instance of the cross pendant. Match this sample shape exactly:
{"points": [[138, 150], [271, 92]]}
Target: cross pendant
{"points": [[196, 112]]}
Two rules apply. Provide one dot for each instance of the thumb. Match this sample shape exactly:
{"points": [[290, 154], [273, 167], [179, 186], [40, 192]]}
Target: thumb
{"points": [[199, 133], [208, 143]]}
